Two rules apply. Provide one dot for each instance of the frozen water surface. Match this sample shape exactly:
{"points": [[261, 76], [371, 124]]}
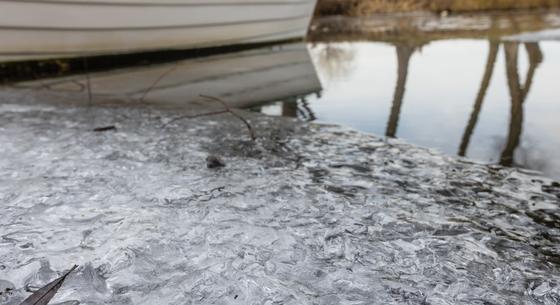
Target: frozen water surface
{"points": [[309, 214]]}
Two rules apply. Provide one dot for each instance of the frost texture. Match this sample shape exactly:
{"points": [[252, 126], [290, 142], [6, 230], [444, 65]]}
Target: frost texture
{"points": [[307, 215]]}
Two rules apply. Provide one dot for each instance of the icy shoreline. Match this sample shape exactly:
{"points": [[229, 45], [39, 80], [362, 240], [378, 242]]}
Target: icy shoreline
{"points": [[309, 214]]}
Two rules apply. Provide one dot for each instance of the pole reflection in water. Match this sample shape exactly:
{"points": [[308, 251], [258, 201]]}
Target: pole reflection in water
{"points": [[518, 94], [404, 52], [290, 108], [488, 71]]}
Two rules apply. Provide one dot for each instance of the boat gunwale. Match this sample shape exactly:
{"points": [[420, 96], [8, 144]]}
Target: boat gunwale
{"points": [[151, 28]]}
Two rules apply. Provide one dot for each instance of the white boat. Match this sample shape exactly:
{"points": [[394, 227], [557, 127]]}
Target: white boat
{"points": [[36, 29], [242, 79]]}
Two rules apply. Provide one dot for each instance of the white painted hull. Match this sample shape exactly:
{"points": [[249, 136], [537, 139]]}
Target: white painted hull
{"points": [[31, 29], [242, 79]]}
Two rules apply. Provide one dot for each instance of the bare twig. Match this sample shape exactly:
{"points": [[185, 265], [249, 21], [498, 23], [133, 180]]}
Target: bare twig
{"points": [[142, 98], [227, 110], [183, 117], [88, 82], [154, 84], [105, 128], [80, 85], [249, 127]]}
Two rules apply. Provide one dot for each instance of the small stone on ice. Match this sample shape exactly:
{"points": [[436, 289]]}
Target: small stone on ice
{"points": [[214, 162]]}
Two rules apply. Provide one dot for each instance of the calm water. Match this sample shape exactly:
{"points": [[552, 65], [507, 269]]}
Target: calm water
{"points": [[493, 102]]}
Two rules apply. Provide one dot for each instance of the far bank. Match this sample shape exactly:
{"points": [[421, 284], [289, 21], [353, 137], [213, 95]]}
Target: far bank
{"points": [[365, 7]]}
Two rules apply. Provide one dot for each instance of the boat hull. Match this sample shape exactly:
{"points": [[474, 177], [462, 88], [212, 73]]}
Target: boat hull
{"points": [[38, 29]]}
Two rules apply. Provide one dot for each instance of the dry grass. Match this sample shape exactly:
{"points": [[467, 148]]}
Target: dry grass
{"points": [[365, 7]]}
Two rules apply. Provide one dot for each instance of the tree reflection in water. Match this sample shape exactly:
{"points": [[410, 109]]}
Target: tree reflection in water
{"points": [[334, 62]]}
